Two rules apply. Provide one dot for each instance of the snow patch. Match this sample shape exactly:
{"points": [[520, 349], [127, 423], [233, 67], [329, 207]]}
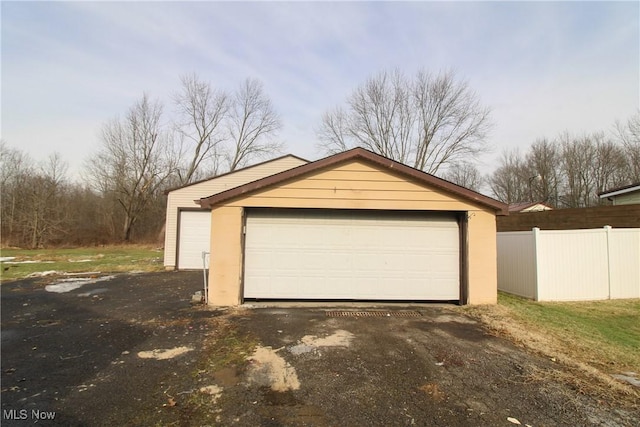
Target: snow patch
{"points": [[67, 285], [29, 262], [269, 369], [84, 273], [43, 273], [164, 354], [7, 258]]}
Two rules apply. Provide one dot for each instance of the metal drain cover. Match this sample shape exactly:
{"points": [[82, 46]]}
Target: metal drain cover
{"points": [[374, 313]]}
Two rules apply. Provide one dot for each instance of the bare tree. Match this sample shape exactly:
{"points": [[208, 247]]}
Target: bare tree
{"points": [[16, 169], [590, 164], [426, 121], [609, 167], [464, 174], [252, 125], [576, 157], [201, 111], [46, 207], [544, 172], [628, 134], [134, 162], [511, 181], [35, 199]]}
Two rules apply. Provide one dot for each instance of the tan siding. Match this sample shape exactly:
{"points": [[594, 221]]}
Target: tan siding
{"points": [[354, 203], [483, 259], [353, 166], [358, 194], [355, 185], [345, 175], [627, 199], [226, 256], [184, 197]]}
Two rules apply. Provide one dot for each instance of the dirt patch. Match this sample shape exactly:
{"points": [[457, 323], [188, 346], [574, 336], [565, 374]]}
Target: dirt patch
{"points": [[227, 376], [212, 390], [433, 391], [267, 368], [310, 343]]}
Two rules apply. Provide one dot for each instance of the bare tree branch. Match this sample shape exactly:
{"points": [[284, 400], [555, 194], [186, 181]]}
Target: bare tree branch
{"points": [[201, 111], [629, 135], [425, 121], [135, 160], [464, 174], [252, 125]]}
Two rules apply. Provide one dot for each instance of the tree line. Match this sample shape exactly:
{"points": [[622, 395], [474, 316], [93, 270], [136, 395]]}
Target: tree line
{"points": [[570, 171], [432, 122], [143, 153]]}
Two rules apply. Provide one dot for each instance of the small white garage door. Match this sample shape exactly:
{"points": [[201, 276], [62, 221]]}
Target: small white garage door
{"points": [[366, 255], [194, 238]]}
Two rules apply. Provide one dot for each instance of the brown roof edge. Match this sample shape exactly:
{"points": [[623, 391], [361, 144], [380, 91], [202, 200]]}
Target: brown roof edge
{"points": [[621, 190], [234, 171], [354, 154]]}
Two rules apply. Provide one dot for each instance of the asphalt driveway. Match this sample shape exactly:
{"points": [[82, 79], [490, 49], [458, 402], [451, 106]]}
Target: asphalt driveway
{"points": [[133, 350], [76, 353]]}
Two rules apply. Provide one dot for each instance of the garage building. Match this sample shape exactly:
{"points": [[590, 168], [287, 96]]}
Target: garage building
{"points": [[352, 226], [188, 226]]}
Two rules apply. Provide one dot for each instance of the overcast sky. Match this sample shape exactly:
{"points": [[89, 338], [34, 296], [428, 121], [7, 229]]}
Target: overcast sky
{"points": [[542, 67]]}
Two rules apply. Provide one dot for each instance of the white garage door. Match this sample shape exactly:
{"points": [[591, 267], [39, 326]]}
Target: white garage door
{"points": [[324, 254], [194, 237]]}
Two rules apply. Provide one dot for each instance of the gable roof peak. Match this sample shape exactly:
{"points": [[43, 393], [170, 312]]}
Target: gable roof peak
{"points": [[407, 172]]}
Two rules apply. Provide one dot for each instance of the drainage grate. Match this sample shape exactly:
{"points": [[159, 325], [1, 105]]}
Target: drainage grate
{"points": [[373, 314]]}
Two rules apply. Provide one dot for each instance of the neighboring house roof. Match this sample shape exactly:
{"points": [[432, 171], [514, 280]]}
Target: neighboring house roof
{"points": [[620, 190], [529, 207], [356, 154], [234, 171]]}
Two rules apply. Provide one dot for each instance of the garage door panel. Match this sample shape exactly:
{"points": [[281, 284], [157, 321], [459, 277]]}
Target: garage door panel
{"points": [[319, 254], [194, 238]]}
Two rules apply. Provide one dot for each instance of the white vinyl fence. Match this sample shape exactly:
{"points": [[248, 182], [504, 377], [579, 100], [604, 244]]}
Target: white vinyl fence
{"points": [[570, 265]]}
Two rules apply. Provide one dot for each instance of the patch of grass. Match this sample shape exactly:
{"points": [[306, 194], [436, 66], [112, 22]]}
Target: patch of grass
{"points": [[227, 349], [589, 341], [603, 333], [107, 259]]}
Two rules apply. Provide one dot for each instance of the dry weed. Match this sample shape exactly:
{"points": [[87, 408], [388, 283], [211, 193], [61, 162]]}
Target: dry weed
{"points": [[574, 368]]}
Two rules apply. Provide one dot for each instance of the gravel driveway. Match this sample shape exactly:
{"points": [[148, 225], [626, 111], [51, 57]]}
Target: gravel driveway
{"points": [[132, 350]]}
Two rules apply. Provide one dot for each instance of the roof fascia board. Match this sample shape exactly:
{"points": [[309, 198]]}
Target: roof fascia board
{"points": [[621, 191]]}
